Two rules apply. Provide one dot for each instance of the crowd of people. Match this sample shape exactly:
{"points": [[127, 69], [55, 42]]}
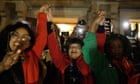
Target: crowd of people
{"points": [[89, 57]]}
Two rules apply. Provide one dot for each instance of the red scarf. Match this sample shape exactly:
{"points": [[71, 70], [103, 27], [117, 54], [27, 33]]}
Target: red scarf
{"points": [[31, 65], [30, 69], [125, 67], [134, 79]]}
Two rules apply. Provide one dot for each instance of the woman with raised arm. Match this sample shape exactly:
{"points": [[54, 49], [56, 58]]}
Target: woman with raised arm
{"points": [[72, 66], [21, 49]]}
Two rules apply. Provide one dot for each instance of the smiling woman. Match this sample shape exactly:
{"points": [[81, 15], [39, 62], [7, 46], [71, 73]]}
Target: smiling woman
{"points": [[12, 49], [20, 50]]}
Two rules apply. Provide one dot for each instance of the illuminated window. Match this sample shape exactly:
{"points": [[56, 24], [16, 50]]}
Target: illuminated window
{"points": [[66, 27]]}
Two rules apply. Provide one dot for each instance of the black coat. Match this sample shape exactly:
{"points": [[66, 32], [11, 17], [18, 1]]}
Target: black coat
{"points": [[13, 76]]}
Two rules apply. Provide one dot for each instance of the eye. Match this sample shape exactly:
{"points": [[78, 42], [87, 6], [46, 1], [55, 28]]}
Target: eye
{"points": [[14, 34], [26, 38]]}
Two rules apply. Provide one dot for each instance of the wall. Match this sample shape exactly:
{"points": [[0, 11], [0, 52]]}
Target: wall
{"points": [[127, 14]]}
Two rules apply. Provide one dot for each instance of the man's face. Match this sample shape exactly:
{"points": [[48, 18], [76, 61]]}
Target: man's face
{"points": [[74, 51]]}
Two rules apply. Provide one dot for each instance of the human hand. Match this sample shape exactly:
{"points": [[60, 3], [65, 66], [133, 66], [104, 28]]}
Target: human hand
{"points": [[9, 60], [49, 14], [44, 8], [99, 19], [47, 9]]}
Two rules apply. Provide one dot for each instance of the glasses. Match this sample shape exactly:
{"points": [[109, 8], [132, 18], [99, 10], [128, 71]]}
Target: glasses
{"points": [[74, 47], [14, 34]]}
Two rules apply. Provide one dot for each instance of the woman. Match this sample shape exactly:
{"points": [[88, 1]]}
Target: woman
{"points": [[72, 66], [102, 62], [21, 49], [117, 50], [112, 66]]}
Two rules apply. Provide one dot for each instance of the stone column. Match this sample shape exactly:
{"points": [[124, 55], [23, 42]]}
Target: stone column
{"points": [[114, 14], [21, 9]]}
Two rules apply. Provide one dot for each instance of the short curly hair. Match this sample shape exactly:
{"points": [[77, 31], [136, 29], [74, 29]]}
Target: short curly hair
{"points": [[72, 41]]}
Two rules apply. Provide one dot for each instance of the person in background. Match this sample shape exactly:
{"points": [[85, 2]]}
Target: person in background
{"points": [[21, 49], [49, 74], [63, 39]]}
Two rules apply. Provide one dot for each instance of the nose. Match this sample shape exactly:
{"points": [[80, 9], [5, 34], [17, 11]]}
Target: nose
{"points": [[19, 39], [73, 48]]}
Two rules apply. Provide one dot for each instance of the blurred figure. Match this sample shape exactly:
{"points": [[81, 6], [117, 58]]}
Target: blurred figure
{"points": [[81, 29], [63, 38]]}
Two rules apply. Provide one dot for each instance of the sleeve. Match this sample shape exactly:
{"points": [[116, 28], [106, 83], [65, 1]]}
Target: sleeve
{"points": [[104, 72], [90, 47], [55, 51], [41, 36], [101, 37]]}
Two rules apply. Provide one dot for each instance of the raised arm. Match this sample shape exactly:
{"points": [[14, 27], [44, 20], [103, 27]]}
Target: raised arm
{"points": [[56, 54], [55, 51], [41, 36], [100, 30], [91, 39], [90, 47], [97, 20]]}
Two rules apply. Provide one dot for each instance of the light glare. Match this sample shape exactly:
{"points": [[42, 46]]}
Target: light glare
{"points": [[126, 25]]}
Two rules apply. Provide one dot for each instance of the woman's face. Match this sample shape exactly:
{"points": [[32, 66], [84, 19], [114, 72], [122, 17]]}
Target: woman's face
{"points": [[116, 49], [19, 39], [74, 51]]}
